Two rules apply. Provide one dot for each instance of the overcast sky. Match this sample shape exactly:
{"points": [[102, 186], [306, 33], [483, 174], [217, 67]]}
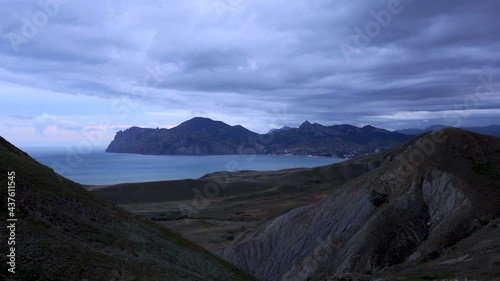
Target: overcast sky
{"points": [[72, 68]]}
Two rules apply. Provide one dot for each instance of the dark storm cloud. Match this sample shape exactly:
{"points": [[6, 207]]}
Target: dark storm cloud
{"points": [[261, 56]]}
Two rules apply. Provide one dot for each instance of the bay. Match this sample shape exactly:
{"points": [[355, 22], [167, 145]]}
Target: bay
{"points": [[101, 168]]}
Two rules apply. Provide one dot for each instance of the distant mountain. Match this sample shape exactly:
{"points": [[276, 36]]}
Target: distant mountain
{"points": [[428, 211], [198, 136], [284, 128], [492, 130], [64, 232], [414, 132], [317, 139], [203, 136]]}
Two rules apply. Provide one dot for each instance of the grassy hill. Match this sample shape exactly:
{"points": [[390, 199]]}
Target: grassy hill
{"points": [[64, 232]]}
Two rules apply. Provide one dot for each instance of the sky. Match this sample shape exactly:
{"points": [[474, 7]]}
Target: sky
{"points": [[82, 70]]}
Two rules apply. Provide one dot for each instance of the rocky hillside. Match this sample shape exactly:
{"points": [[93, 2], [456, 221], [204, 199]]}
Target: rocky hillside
{"points": [[431, 212], [65, 233], [203, 136]]}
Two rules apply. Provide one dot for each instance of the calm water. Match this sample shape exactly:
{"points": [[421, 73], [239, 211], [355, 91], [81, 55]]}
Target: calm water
{"points": [[99, 167]]}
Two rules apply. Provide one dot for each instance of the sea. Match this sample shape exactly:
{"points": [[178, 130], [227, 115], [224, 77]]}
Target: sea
{"points": [[97, 167]]}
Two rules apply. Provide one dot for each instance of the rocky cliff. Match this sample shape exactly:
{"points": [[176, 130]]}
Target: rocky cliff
{"points": [[432, 211]]}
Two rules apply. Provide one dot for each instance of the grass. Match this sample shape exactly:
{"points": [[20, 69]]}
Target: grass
{"points": [[483, 169], [486, 169]]}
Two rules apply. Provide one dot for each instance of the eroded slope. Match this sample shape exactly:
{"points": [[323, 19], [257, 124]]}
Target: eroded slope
{"points": [[420, 214]]}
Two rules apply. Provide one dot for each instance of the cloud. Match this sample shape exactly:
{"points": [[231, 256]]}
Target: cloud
{"points": [[44, 121], [259, 57], [27, 136]]}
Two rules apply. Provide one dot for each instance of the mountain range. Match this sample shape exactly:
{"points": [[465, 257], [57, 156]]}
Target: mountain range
{"points": [[492, 130], [203, 136]]}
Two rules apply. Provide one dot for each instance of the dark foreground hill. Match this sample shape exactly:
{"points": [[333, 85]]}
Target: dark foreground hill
{"points": [[431, 212], [203, 136], [65, 233]]}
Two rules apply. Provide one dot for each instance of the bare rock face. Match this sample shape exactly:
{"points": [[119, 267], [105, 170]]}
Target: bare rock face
{"points": [[409, 213]]}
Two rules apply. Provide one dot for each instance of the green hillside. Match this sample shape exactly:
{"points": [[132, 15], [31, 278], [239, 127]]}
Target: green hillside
{"points": [[64, 232]]}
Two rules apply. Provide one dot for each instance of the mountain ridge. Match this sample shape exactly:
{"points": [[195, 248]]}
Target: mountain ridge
{"points": [[203, 136]]}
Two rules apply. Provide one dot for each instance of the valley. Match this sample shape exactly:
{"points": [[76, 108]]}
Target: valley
{"points": [[365, 218]]}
